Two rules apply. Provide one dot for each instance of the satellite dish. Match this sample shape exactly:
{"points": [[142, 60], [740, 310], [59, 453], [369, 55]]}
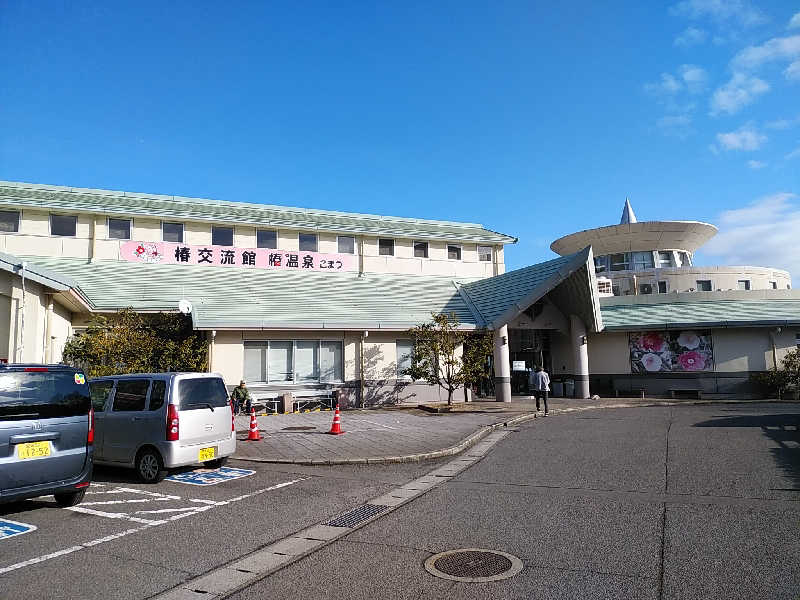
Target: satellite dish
{"points": [[185, 306]]}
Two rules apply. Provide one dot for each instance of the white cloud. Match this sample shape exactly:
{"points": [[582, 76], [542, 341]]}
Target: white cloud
{"points": [[668, 85], [694, 78], [739, 11], [794, 22], [756, 164], [774, 49], [760, 234], [746, 138], [792, 72], [691, 36], [740, 91], [679, 126], [793, 154]]}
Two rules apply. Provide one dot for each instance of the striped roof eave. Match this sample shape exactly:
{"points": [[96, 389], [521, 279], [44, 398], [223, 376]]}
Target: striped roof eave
{"points": [[108, 202]]}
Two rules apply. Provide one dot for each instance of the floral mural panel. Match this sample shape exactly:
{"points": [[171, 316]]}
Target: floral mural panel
{"points": [[671, 351]]}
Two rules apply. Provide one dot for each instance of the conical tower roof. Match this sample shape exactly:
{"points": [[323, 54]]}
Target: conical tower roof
{"points": [[628, 216]]}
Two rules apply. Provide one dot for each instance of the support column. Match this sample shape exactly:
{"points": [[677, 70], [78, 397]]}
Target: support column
{"points": [[48, 328], [502, 366], [580, 352]]}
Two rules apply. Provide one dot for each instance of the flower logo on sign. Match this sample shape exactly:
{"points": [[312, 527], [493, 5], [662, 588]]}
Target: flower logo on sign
{"points": [[147, 253]]}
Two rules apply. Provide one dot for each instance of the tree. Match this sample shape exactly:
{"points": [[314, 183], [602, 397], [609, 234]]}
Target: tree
{"points": [[436, 358], [129, 342], [787, 377]]}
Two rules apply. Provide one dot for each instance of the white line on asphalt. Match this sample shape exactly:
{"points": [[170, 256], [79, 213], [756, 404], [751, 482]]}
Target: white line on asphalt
{"points": [[110, 515], [148, 525], [372, 423]]}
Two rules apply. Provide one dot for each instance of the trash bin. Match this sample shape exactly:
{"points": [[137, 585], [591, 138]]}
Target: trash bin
{"points": [[558, 389], [569, 388]]}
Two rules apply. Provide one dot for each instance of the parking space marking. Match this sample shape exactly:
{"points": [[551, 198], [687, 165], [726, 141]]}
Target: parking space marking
{"points": [[210, 477], [144, 527], [372, 423], [9, 528]]}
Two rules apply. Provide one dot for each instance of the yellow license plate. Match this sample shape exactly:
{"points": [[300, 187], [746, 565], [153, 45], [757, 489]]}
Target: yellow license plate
{"points": [[33, 450], [206, 453]]}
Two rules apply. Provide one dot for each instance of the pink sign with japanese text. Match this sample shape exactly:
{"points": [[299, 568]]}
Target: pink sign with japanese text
{"points": [[259, 258]]}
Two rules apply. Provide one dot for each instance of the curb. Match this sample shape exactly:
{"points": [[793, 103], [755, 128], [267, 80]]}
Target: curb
{"points": [[464, 444], [478, 435]]}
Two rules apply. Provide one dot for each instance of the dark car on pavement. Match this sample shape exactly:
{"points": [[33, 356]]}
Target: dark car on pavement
{"points": [[46, 433]]}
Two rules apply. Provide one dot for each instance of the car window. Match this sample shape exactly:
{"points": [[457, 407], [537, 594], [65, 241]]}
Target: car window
{"points": [[99, 392], [157, 391], [43, 395], [130, 395], [199, 392]]}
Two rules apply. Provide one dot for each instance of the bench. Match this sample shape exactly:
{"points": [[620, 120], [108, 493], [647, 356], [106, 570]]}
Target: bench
{"points": [[691, 392], [302, 400]]}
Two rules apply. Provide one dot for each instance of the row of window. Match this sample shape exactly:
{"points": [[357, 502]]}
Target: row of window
{"points": [[639, 261], [702, 285], [120, 229], [305, 361]]}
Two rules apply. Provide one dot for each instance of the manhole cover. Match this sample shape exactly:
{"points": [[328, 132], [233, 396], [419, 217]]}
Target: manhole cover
{"points": [[299, 428], [473, 565]]}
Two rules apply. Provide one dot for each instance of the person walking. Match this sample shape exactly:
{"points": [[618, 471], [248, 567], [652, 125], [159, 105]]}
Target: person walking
{"points": [[241, 395], [541, 385]]}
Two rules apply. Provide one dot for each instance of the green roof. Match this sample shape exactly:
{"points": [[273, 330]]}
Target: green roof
{"points": [[34, 272], [237, 298], [107, 202], [765, 312]]}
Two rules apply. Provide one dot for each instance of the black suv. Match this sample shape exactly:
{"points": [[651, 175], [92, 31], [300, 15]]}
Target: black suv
{"points": [[46, 433]]}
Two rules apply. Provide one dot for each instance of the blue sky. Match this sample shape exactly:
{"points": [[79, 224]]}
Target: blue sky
{"points": [[535, 119]]}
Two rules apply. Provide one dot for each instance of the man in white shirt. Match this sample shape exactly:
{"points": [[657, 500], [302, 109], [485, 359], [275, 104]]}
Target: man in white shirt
{"points": [[541, 384]]}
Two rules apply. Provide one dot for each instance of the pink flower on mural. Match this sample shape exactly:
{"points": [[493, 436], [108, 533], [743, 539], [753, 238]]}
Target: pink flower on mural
{"points": [[652, 342], [651, 362], [692, 361], [689, 339]]}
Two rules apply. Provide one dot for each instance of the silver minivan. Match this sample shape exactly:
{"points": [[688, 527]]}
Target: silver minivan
{"points": [[158, 421]]}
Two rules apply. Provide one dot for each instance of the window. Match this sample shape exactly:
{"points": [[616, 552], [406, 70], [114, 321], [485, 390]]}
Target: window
{"points": [[279, 365], [703, 285], [686, 260], [615, 290], [405, 348], [119, 229], [266, 238], [645, 288], [453, 252], [484, 254], [386, 247], [308, 242], [421, 249], [130, 395], [773, 285], [664, 259], [221, 236], [620, 262], [99, 392], [198, 392], [662, 287], [743, 284], [347, 244], [604, 286], [9, 221], [172, 232], [642, 260], [298, 361], [50, 394], [600, 264], [157, 392], [63, 225]]}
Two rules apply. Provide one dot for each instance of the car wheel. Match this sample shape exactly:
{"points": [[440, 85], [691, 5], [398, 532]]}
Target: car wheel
{"points": [[65, 499], [149, 466], [216, 463]]}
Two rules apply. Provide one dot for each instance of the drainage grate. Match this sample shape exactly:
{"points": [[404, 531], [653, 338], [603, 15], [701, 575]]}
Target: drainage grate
{"points": [[357, 515], [473, 565]]}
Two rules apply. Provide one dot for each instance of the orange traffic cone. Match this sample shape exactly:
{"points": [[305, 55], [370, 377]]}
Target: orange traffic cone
{"points": [[336, 428], [253, 436]]}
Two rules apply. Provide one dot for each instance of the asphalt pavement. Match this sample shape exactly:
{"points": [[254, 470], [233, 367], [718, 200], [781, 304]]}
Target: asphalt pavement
{"points": [[659, 502]]}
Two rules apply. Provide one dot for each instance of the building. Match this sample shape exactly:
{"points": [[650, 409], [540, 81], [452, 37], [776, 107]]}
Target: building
{"points": [[309, 300]]}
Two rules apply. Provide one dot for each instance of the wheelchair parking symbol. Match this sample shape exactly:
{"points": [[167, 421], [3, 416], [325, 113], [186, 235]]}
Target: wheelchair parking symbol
{"points": [[11, 528], [210, 476]]}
